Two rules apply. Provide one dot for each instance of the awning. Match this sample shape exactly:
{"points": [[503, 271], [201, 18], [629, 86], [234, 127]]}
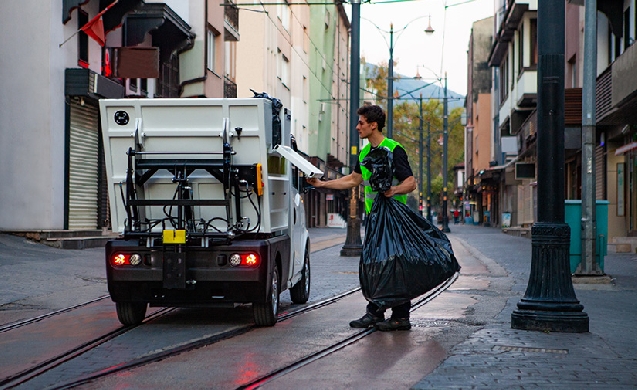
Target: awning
{"points": [[626, 148]]}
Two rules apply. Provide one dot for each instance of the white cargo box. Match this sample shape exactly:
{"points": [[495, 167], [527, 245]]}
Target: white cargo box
{"points": [[191, 129]]}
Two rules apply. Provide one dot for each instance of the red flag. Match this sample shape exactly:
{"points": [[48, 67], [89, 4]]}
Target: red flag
{"points": [[95, 27]]}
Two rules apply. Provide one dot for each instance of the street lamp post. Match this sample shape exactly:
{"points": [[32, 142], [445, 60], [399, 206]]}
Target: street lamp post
{"points": [[445, 136], [421, 184], [390, 74], [390, 85], [429, 172], [549, 303], [353, 244], [428, 192]]}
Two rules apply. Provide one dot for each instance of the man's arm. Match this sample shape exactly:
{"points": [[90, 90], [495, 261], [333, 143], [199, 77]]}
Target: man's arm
{"points": [[405, 187], [352, 180]]}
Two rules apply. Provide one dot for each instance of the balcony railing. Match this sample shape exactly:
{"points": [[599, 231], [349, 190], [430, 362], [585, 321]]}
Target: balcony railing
{"points": [[231, 21], [526, 136], [229, 88]]}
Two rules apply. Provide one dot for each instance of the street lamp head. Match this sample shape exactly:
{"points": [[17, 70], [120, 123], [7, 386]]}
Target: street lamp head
{"points": [[429, 29]]}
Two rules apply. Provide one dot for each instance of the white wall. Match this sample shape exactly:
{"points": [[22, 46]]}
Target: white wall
{"points": [[32, 113]]}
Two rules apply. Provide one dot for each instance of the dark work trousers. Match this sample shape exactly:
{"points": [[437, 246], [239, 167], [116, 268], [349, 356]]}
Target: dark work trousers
{"points": [[400, 311]]}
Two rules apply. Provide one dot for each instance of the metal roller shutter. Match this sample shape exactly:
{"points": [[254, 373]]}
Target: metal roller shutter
{"points": [[83, 167], [600, 173]]}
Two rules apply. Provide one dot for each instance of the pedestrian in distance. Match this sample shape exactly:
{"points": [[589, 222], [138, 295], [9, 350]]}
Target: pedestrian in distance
{"points": [[370, 125]]}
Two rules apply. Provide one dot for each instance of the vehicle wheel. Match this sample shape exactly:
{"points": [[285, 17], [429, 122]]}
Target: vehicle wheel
{"points": [[300, 292], [265, 314], [130, 313]]}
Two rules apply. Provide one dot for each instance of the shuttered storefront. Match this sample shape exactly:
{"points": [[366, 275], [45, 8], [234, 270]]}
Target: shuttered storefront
{"points": [[83, 166]]}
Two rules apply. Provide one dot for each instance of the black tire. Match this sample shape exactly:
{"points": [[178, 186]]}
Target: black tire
{"points": [[300, 292], [130, 313], [265, 314]]}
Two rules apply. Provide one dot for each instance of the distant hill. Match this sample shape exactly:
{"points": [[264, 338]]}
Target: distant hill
{"points": [[434, 91]]}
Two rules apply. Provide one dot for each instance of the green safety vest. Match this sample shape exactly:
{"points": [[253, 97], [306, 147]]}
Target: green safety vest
{"points": [[366, 173]]}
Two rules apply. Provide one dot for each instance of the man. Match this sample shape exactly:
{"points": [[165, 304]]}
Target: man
{"points": [[370, 125]]}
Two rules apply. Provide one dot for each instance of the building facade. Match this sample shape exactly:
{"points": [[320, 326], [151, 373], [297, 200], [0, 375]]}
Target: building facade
{"points": [[146, 49], [52, 149], [514, 59]]}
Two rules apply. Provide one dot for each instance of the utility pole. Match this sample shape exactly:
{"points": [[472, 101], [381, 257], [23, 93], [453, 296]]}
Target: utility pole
{"points": [[429, 172], [390, 85], [445, 137], [549, 303], [588, 264], [420, 167], [353, 244]]}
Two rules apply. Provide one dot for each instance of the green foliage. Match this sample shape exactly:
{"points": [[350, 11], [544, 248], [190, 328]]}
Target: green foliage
{"points": [[407, 132]]}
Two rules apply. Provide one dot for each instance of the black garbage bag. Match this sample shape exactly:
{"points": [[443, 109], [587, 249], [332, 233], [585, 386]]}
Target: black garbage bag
{"points": [[380, 162], [404, 255]]}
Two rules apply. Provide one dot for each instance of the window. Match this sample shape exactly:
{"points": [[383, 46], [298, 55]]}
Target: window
{"points": [[82, 41], [521, 49], [211, 45], [504, 80], [627, 39], [572, 69], [534, 55], [284, 70], [168, 82], [513, 52], [283, 12], [231, 59]]}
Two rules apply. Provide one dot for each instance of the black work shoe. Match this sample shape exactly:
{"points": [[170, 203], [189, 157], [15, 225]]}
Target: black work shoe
{"points": [[394, 324], [366, 321]]}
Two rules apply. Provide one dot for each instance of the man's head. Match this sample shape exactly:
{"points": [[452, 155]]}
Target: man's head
{"points": [[373, 114]]}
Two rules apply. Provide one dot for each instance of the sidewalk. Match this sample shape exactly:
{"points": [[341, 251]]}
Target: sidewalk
{"points": [[498, 357]]}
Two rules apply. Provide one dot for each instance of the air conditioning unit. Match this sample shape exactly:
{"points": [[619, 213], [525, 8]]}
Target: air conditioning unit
{"points": [[524, 170]]}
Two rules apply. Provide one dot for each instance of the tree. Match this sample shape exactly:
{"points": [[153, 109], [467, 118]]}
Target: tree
{"points": [[407, 130]]}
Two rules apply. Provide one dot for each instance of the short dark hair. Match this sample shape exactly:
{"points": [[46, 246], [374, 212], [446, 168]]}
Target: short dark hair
{"points": [[373, 113]]}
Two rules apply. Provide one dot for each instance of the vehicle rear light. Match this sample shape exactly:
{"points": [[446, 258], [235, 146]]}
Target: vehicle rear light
{"points": [[120, 259], [235, 260], [135, 259], [249, 259]]}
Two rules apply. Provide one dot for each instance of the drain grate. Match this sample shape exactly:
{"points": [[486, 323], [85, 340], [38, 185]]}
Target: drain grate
{"points": [[511, 348], [428, 323]]}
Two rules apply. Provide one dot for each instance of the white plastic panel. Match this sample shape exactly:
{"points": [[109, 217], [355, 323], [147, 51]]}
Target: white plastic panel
{"points": [[188, 126]]}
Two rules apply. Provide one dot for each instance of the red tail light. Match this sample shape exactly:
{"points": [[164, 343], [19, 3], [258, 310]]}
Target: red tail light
{"points": [[119, 259], [250, 259]]}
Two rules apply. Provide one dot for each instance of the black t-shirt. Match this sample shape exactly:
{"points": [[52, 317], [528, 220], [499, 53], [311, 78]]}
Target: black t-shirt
{"points": [[402, 170]]}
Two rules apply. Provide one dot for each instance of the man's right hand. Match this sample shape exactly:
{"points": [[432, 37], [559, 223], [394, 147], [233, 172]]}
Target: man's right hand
{"points": [[315, 182]]}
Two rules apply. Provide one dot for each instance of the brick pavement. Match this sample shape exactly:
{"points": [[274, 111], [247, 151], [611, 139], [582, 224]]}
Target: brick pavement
{"points": [[498, 357]]}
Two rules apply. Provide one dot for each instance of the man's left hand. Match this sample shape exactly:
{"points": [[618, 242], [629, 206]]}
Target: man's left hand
{"points": [[390, 192]]}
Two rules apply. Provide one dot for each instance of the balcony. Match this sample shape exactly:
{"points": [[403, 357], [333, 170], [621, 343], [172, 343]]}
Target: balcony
{"points": [[519, 103], [231, 21], [616, 91], [527, 135], [506, 31]]}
